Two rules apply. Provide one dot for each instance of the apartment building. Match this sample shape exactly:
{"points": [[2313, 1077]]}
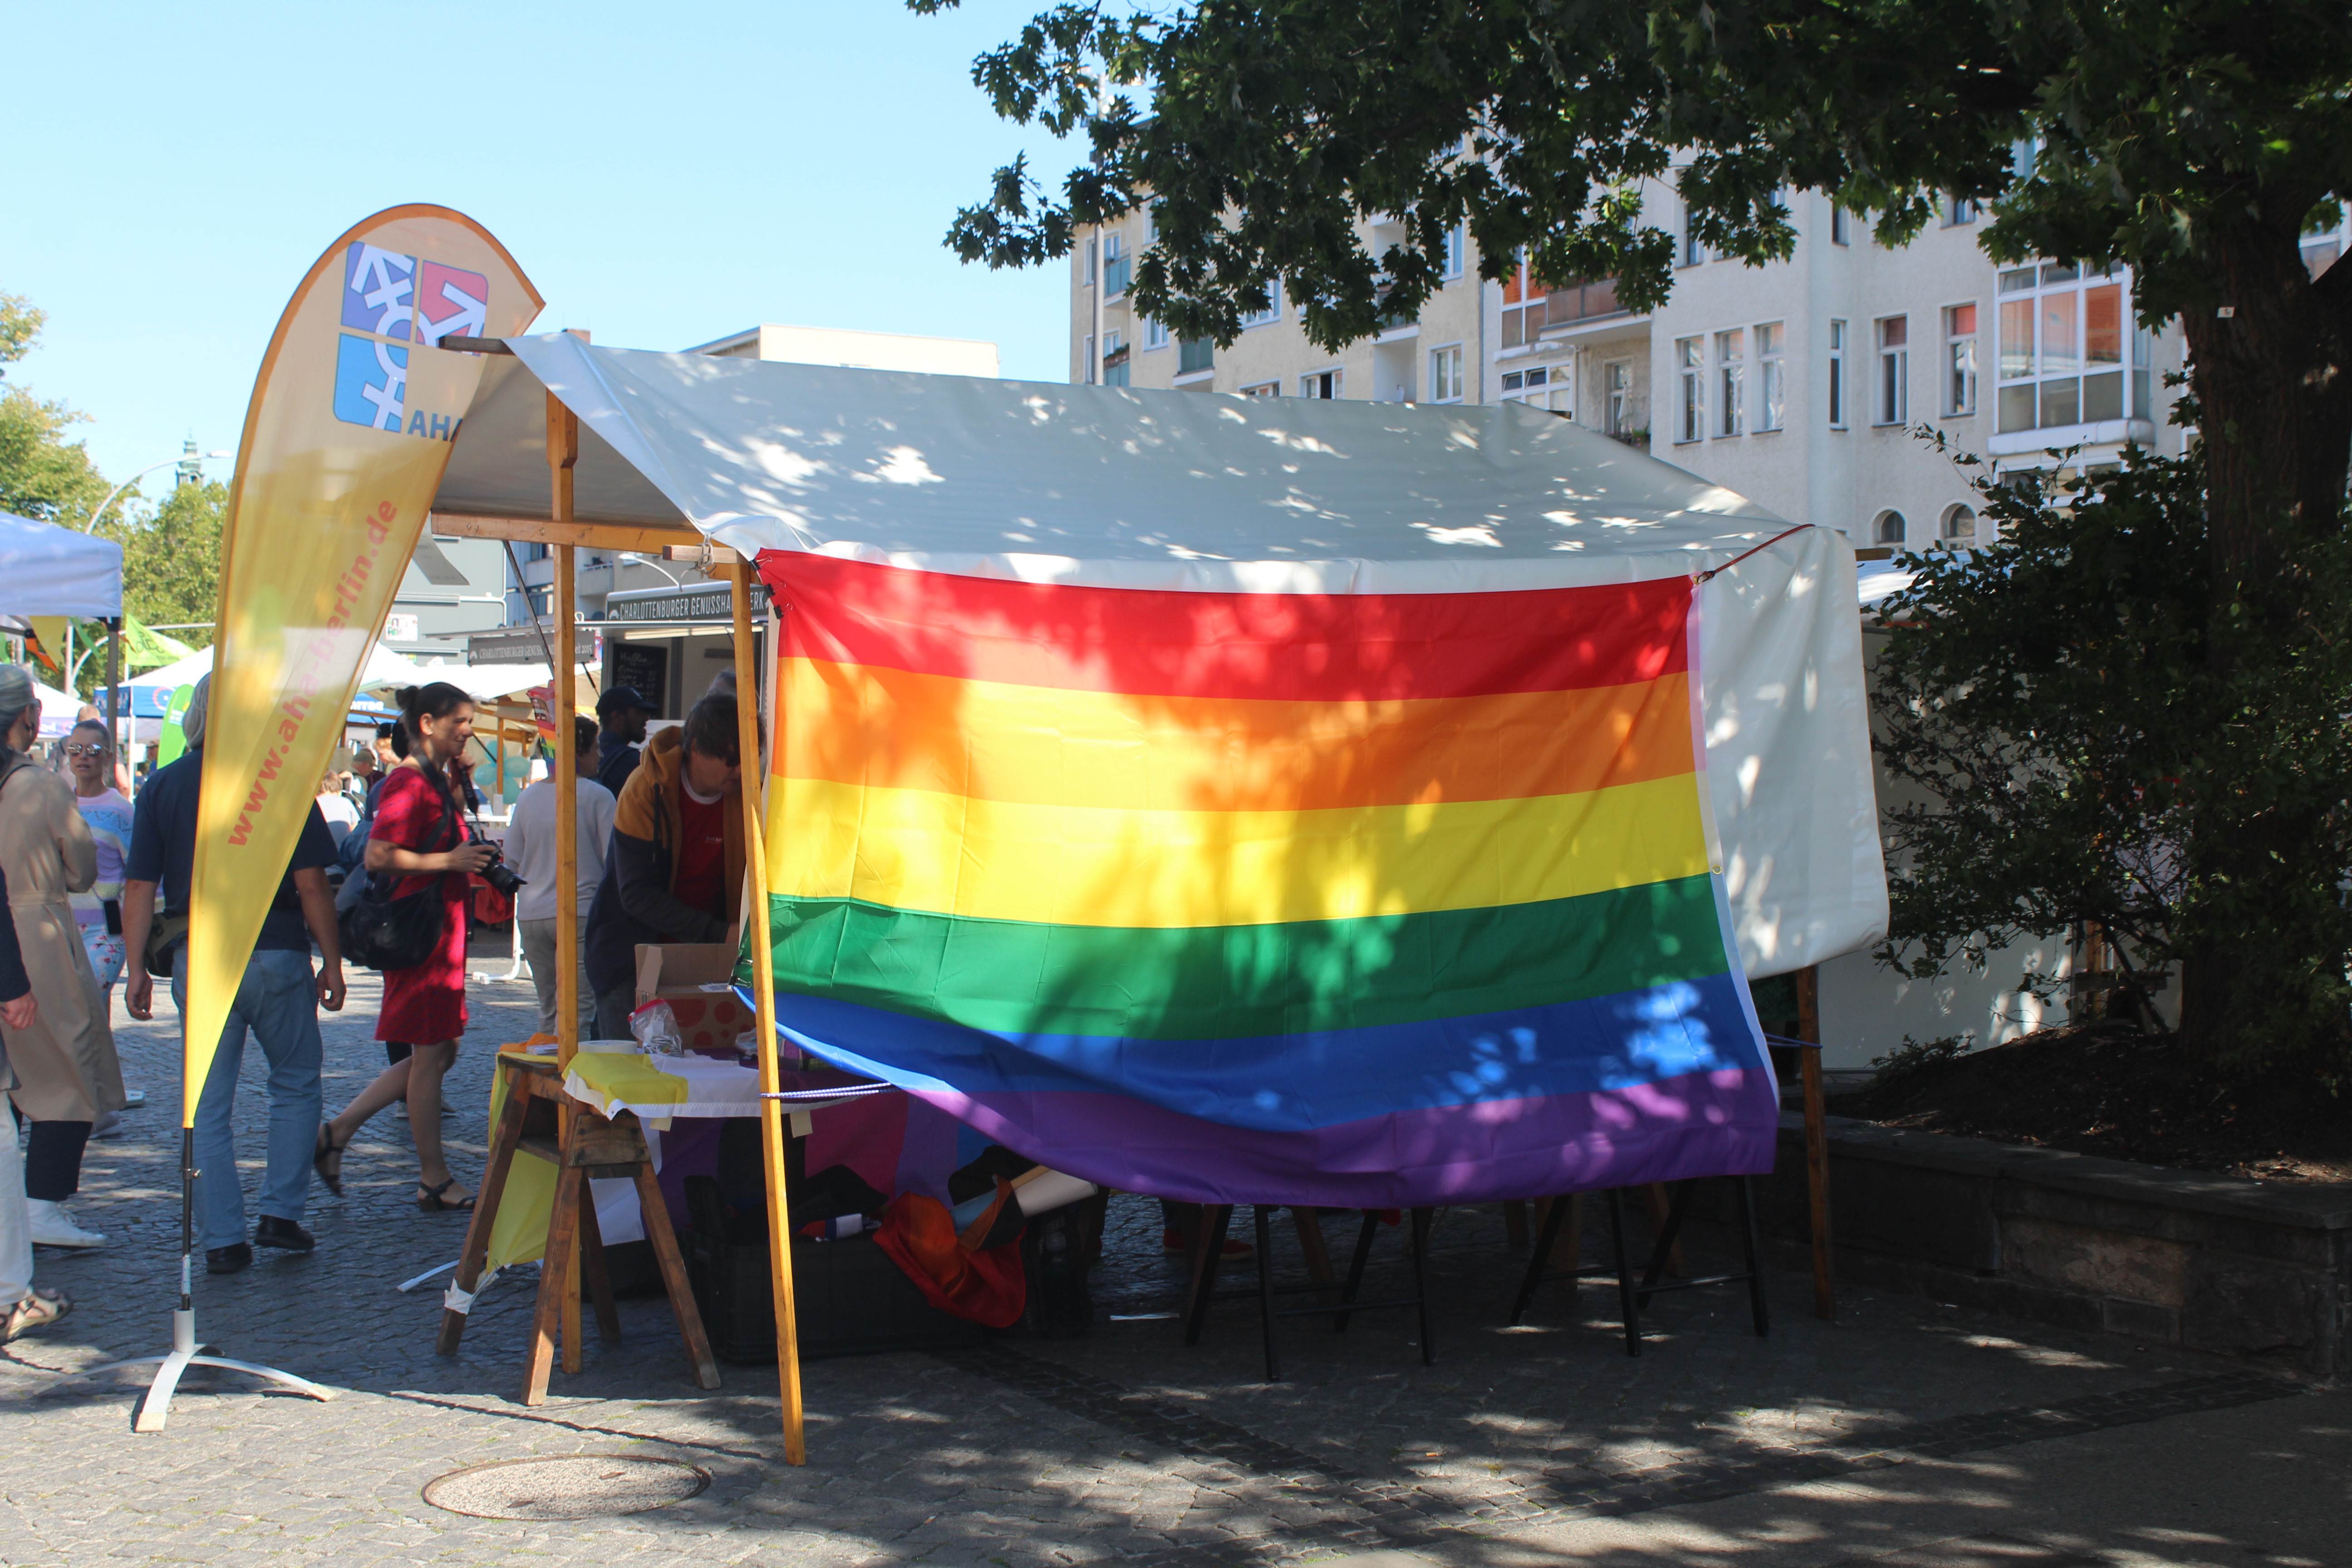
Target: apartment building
{"points": [[1800, 383]]}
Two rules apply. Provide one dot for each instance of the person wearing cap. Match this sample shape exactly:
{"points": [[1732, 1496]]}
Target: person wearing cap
{"points": [[621, 714], [68, 1075], [278, 1001]]}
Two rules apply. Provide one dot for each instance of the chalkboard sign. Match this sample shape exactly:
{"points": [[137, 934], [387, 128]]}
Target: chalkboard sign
{"points": [[647, 668]]}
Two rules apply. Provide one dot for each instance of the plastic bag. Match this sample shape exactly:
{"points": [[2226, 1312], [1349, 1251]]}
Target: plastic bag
{"points": [[656, 1027]]}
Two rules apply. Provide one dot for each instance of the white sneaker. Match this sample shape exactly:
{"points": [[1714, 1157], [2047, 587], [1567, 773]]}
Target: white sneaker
{"points": [[50, 1227]]}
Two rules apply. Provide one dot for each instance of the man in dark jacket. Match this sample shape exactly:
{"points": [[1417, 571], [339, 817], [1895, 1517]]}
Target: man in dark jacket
{"points": [[621, 715], [675, 865]]}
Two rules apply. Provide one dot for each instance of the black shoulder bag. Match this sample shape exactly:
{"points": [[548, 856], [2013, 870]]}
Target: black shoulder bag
{"points": [[383, 933]]}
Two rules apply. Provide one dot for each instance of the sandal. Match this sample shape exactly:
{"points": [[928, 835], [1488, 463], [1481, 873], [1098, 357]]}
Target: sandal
{"points": [[38, 1310], [326, 1158], [429, 1199]]}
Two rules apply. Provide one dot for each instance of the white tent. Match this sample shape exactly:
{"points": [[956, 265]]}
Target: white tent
{"points": [[1188, 491], [385, 669], [45, 570]]}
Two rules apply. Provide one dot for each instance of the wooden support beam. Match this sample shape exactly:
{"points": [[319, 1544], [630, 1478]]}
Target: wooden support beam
{"points": [[763, 992], [562, 460], [650, 540]]}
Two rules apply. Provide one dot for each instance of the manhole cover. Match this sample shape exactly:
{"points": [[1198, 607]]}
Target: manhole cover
{"points": [[571, 1486]]}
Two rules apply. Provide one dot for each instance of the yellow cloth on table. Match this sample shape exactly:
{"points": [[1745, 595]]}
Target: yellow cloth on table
{"points": [[615, 1081], [519, 1234]]}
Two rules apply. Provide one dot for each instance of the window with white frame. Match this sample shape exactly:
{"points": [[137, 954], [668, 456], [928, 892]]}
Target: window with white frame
{"points": [[1456, 245], [1087, 359], [1155, 333], [2069, 352], [1894, 369], [1114, 266], [1273, 312], [1323, 383], [1837, 387], [1888, 529], [1841, 224], [1772, 377], [1543, 386], [1959, 210], [1961, 359], [1617, 384], [1150, 222], [1090, 261], [1263, 389], [1690, 367], [1445, 374], [1115, 357], [1960, 528], [1730, 382], [1693, 249]]}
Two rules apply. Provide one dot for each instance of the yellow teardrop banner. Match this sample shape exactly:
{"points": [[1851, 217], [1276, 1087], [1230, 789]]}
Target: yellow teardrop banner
{"points": [[352, 420]]}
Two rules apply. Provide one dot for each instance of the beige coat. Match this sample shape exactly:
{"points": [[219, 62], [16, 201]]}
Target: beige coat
{"points": [[66, 1067]]}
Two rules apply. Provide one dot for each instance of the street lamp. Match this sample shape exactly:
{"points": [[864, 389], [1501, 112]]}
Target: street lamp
{"points": [[114, 647]]}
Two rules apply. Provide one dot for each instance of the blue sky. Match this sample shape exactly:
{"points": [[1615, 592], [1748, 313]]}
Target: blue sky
{"points": [[665, 174]]}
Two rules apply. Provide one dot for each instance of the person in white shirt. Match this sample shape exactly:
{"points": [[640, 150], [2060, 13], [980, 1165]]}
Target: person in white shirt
{"points": [[336, 806], [531, 851]]}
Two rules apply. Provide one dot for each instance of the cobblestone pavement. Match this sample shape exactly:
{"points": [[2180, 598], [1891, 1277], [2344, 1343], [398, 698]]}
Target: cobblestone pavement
{"points": [[1900, 1426]]}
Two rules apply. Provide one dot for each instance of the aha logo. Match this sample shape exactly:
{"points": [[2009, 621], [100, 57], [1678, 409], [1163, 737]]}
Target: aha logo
{"points": [[399, 300]]}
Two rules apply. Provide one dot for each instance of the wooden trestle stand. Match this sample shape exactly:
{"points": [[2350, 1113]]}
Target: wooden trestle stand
{"points": [[540, 1119]]}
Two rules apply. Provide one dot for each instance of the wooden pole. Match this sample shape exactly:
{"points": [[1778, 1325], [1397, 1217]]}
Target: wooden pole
{"points": [[763, 992], [562, 458], [1817, 1139]]}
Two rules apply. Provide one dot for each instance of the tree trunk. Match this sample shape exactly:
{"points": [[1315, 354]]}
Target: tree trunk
{"points": [[2274, 383]]}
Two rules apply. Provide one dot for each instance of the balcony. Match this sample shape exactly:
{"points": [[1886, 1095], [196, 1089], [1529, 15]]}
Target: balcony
{"points": [[1195, 355], [1115, 277], [1557, 310]]}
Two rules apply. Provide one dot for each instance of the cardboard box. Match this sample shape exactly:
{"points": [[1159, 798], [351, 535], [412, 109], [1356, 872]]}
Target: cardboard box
{"points": [[694, 979]]}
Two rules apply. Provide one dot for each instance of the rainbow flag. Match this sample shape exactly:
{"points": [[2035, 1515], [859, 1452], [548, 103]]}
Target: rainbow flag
{"points": [[1360, 899]]}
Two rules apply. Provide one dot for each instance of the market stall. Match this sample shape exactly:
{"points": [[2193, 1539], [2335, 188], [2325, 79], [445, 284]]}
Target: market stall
{"points": [[1531, 746], [62, 573]]}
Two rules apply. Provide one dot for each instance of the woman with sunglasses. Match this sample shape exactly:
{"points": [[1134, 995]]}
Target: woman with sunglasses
{"points": [[99, 910]]}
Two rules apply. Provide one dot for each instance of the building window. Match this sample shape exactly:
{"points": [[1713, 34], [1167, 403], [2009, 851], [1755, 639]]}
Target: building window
{"points": [[1324, 383], [1451, 263], [1090, 261], [1155, 333], [1690, 365], [1150, 222], [1263, 389], [1114, 360], [1195, 355], [1273, 312], [1693, 250], [1730, 380], [1841, 224], [1837, 375], [1617, 385], [1114, 267], [1889, 528], [2063, 331], [1523, 307], [1772, 377], [1960, 359], [1445, 374], [1551, 387], [1960, 527], [1959, 210], [1894, 369], [1087, 360]]}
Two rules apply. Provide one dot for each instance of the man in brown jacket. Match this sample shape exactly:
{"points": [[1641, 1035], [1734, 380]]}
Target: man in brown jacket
{"points": [[674, 868]]}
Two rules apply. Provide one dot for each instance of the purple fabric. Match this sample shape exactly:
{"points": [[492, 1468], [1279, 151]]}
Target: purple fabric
{"points": [[1696, 1124]]}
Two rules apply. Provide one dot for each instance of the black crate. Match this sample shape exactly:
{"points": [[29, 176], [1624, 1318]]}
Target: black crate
{"points": [[849, 1297]]}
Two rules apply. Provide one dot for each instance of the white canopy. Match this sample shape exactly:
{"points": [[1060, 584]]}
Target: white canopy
{"points": [[45, 570], [384, 668], [1192, 491]]}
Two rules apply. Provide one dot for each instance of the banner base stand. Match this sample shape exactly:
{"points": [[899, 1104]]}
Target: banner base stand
{"points": [[155, 1405]]}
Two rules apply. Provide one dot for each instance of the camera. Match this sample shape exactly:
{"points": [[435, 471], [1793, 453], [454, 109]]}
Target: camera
{"points": [[498, 873]]}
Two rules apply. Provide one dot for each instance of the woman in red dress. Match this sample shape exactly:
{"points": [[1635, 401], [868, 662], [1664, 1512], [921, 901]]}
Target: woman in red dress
{"points": [[419, 838]]}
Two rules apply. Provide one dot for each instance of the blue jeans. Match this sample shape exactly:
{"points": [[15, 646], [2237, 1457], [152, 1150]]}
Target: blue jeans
{"points": [[277, 1000]]}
